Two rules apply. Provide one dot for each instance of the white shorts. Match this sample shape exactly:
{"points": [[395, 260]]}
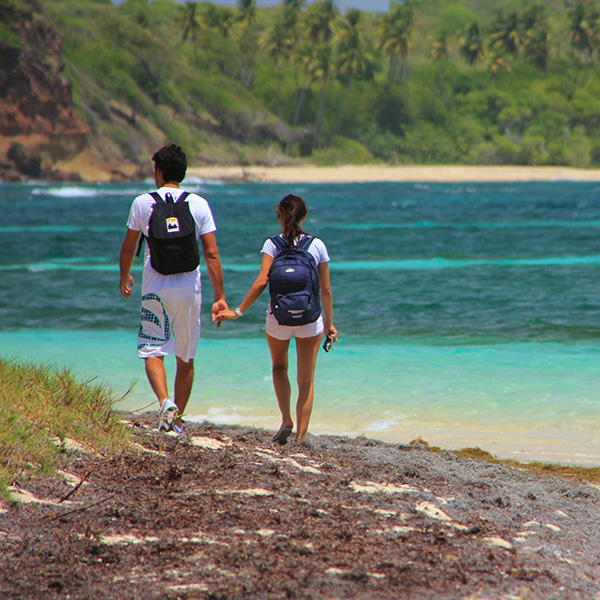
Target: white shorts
{"points": [[170, 324], [286, 332]]}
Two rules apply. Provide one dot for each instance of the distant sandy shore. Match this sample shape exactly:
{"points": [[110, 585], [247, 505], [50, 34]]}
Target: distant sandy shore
{"points": [[373, 173]]}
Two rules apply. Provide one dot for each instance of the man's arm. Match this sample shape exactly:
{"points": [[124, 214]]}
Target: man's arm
{"points": [[126, 256], [215, 272]]}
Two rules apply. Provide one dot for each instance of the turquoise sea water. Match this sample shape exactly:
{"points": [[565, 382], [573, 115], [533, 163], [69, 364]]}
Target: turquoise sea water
{"points": [[469, 314]]}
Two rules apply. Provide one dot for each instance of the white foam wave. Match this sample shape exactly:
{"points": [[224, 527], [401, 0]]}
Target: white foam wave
{"points": [[381, 425], [67, 192], [232, 415], [86, 192]]}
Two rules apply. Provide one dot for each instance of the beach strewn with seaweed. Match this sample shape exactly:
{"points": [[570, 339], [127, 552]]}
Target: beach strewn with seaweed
{"points": [[220, 513]]}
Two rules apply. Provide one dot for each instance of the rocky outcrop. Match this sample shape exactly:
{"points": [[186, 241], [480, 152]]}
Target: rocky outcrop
{"points": [[37, 113]]}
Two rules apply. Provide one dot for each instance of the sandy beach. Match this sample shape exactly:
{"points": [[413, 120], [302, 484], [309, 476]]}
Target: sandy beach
{"points": [[375, 173]]}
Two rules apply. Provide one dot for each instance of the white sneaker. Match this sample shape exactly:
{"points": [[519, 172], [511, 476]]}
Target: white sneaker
{"points": [[166, 415]]}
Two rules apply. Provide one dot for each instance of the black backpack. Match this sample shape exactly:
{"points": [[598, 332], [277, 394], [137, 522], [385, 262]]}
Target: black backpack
{"points": [[172, 236], [294, 283]]}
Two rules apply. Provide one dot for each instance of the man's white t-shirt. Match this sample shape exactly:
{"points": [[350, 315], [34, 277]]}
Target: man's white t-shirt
{"points": [[139, 216]]}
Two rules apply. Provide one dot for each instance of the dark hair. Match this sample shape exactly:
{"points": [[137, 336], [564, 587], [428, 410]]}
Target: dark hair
{"points": [[290, 212], [172, 162]]}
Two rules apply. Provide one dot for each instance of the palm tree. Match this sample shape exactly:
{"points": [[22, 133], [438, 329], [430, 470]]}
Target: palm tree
{"points": [[395, 30], [351, 58], [440, 53], [581, 30], [278, 49], [320, 19], [247, 40], [309, 56], [219, 18], [291, 19], [321, 69], [440, 47], [303, 59], [537, 47], [191, 25], [506, 34], [536, 38], [471, 45]]}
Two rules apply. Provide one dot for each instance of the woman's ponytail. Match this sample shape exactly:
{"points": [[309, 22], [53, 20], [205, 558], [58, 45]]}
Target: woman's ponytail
{"points": [[290, 212]]}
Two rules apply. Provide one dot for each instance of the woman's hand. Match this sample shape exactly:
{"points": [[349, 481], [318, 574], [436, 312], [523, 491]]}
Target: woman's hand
{"points": [[224, 315], [331, 332]]}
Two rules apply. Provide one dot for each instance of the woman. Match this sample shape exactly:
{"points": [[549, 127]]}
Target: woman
{"points": [[291, 212]]}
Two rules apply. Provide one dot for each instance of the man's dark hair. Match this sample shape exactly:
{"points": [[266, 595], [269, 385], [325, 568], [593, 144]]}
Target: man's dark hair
{"points": [[172, 162]]}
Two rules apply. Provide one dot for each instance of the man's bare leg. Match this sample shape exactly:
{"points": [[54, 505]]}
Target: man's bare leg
{"points": [[155, 371], [184, 379]]}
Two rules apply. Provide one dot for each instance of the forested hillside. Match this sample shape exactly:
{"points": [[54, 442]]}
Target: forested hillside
{"points": [[429, 81]]}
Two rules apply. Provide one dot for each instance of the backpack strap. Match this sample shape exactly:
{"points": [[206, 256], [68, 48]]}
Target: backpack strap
{"points": [[182, 196], [157, 197], [279, 242], [305, 242]]}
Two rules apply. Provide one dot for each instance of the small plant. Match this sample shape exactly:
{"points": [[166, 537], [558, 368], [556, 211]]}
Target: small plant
{"points": [[42, 408]]}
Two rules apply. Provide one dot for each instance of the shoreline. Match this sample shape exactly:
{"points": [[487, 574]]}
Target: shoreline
{"points": [[393, 174]]}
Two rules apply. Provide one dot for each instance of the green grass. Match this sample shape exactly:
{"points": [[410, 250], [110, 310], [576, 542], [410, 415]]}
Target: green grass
{"points": [[43, 407]]}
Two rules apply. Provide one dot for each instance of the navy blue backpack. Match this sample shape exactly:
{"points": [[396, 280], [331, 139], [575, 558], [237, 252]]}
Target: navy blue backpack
{"points": [[294, 283]]}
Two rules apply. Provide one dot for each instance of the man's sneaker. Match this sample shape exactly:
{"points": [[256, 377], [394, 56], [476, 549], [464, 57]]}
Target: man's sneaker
{"points": [[166, 415], [178, 429]]}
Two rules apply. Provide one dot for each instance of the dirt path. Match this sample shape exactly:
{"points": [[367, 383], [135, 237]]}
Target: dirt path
{"points": [[221, 514]]}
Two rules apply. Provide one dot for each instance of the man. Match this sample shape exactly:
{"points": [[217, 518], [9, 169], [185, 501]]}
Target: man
{"points": [[171, 304]]}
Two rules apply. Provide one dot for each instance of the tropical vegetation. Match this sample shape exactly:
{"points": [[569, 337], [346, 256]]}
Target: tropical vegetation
{"points": [[428, 81]]}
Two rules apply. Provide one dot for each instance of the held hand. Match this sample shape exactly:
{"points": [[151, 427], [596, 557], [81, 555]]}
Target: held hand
{"points": [[125, 288], [225, 315], [218, 306]]}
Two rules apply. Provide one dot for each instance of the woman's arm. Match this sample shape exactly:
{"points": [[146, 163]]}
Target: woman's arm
{"points": [[255, 291], [327, 301]]}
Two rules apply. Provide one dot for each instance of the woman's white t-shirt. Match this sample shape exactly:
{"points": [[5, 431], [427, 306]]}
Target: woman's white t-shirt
{"points": [[317, 249]]}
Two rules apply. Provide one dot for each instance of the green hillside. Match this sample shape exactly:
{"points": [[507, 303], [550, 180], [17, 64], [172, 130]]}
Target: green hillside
{"points": [[428, 82]]}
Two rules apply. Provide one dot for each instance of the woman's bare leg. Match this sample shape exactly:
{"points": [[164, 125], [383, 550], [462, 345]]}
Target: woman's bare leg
{"points": [[281, 383], [307, 350]]}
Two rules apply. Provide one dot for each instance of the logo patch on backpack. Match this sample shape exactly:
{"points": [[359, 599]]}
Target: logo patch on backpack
{"points": [[172, 225], [294, 283]]}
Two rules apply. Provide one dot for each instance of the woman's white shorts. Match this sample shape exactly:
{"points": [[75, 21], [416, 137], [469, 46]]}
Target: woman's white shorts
{"points": [[170, 324], [286, 332]]}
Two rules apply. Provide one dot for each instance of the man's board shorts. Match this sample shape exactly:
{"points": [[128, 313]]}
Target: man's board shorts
{"points": [[286, 332], [170, 324]]}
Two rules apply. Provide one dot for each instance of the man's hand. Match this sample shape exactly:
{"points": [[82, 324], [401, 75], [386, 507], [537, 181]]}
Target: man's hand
{"points": [[219, 305], [126, 286]]}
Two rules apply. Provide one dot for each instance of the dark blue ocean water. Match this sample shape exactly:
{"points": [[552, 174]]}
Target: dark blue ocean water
{"points": [[469, 314]]}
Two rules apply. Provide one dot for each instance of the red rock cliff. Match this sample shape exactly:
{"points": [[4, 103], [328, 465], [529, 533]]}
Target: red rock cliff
{"points": [[36, 103]]}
